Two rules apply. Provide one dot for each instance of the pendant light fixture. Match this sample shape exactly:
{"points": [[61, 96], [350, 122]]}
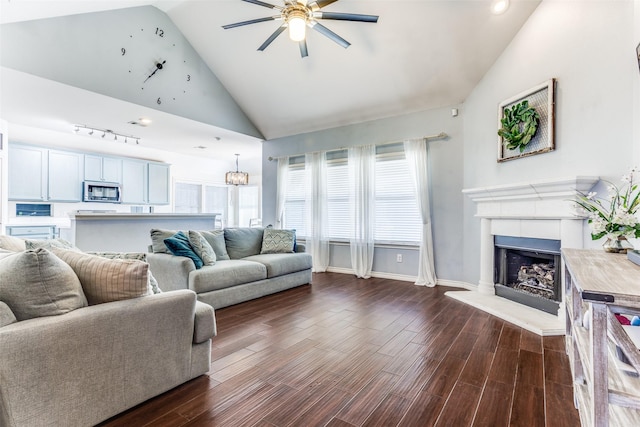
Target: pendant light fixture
{"points": [[237, 177]]}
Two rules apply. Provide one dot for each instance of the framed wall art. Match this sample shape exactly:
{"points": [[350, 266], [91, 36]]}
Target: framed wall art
{"points": [[638, 54], [526, 123]]}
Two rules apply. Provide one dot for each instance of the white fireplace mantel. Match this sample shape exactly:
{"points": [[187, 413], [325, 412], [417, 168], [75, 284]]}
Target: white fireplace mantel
{"points": [[541, 209]]}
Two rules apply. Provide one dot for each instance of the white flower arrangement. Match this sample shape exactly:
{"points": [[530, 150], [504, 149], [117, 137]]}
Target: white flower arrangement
{"points": [[616, 216]]}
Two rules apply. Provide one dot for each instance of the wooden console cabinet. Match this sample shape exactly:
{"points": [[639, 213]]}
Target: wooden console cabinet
{"points": [[602, 285]]}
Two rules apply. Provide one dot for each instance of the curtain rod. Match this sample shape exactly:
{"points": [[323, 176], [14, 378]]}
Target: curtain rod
{"points": [[440, 135]]}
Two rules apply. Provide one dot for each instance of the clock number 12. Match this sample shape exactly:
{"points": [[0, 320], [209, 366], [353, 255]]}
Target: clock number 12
{"points": [[159, 32]]}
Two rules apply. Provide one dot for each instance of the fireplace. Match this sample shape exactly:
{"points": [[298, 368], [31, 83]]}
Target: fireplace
{"points": [[527, 271], [540, 210]]}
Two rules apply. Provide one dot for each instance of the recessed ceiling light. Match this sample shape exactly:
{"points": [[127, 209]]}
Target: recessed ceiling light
{"points": [[499, 6], [202, 147], [144, 121]]}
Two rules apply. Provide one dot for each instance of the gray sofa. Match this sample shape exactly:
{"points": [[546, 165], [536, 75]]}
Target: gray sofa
{"points": [[83, 337], [241, 272]]}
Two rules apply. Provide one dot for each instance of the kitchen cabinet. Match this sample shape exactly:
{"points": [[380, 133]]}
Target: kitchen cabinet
{"points": [[598, 286], [134, 181], [99, 168], [158, 183], [64, 176], [27, 173], [40, 174]]}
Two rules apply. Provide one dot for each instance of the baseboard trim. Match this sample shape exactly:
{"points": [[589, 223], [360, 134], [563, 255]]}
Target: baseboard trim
{"points": [[380, 275], [457, 284]]}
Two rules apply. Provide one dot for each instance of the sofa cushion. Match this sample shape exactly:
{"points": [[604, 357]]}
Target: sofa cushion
{"points": [[12, 243], [105, 280], [226, 274], [243, 242], [179, 245], [157, 240], [275, 241], [202, 248], [36, 283], [281, 264], [6, 315], [216, 239]]}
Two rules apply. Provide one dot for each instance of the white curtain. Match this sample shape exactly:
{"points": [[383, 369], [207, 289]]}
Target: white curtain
{"points": [[281, 195], [362, 162], [316, 210], [417, 158]]}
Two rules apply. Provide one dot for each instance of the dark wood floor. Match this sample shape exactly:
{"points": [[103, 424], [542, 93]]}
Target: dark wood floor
{"points": [[349, 352]]}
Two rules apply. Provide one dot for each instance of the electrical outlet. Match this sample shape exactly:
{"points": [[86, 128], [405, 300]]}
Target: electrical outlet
{"points": [[399, 258]]}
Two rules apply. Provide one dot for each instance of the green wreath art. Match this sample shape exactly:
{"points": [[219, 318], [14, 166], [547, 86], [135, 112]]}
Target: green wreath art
{"points": [[519, 125]]}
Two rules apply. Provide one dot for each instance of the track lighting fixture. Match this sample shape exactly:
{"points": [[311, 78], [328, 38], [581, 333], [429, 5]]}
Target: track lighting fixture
{"points": [[79, 129]]}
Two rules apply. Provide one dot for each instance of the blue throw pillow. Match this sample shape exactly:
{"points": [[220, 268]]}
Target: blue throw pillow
{"points": [[178, 244]]}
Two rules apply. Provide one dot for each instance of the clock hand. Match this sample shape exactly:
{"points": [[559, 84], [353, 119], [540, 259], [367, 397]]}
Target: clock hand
{"points": [[159, 66]]}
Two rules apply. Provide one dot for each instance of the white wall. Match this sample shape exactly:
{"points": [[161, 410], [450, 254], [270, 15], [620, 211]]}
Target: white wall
{"points": [[586, 46], [635, 41], [446, 166]]}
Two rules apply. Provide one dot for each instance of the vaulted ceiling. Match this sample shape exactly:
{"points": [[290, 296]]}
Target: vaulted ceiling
{"points": [[421, 54]]}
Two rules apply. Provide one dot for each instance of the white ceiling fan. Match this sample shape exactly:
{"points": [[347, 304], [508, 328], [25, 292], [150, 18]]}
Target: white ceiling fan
{"points": [[297, 16]]}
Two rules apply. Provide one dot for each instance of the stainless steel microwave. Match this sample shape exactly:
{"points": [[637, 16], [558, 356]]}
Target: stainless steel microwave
{"points": [[97, 191]]}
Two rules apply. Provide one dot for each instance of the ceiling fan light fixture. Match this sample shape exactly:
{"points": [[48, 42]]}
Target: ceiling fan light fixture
{"points": [[297, 22]]}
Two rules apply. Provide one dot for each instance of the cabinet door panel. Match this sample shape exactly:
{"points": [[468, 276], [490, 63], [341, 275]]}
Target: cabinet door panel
{"points": [[158, 184], [134, 181], [112, 169], [92, 168], [65, 176], [27, 173]]}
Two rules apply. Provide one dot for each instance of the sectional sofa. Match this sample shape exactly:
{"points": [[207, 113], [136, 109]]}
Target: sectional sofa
{"points": [[249, 263]]}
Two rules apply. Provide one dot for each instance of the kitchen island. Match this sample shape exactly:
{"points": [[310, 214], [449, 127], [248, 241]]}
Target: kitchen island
{"points": [[130, 232]]}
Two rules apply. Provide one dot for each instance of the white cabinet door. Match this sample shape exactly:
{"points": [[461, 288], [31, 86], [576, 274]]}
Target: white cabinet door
{"points": [[158, 183], [65, 176], [27, 173], [92, 168], [112, 169], [134, 181]]}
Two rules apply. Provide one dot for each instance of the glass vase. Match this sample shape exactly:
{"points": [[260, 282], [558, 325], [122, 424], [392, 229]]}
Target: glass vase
{"points": [[617, 245]]}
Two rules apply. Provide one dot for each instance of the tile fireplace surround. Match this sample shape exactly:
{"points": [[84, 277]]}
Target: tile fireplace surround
{"points": [[541, 209]]}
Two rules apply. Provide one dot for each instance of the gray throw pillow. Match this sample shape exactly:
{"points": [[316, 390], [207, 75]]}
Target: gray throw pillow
{"points": [[275, 241], [202, 248], [243, 241], [36, 283], [215, 238], [157, 240]]}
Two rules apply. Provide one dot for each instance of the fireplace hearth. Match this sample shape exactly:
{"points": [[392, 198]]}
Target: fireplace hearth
{"points": [[527, 271]]}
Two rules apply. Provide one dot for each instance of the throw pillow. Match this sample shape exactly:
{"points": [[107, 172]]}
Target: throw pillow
{"points": [[215, 238], [243, 242], [140, 256], [202, 248], [157, 240], [51, 243], [6, 315], [105, 280], [11, 243], [275, 241], [178, 244], [36, 283]]}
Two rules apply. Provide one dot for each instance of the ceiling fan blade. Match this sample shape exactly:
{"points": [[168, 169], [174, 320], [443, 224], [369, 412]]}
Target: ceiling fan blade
{"points": [[327, 32], [272, 37], [304, 52], [346, 16], [321, 3], [261, 3], [252, 21]]}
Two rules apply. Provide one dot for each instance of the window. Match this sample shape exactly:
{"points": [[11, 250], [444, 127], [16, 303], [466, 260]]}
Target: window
{"points": [[397, 214], [188, 198], [248, 204]]}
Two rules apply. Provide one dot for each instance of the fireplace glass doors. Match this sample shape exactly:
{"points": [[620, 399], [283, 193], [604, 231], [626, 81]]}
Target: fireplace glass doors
{"points": [[528, 271]]}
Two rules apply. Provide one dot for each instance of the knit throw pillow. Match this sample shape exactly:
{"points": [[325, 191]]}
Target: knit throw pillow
{"points": [[275, 241], [202, 248]]}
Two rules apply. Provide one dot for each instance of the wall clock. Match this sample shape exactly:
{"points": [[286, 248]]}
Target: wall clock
{"points": [[153, 62]]}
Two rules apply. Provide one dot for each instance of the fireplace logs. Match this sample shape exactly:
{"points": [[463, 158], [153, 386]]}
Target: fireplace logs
{"points": [[537, 279]]}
